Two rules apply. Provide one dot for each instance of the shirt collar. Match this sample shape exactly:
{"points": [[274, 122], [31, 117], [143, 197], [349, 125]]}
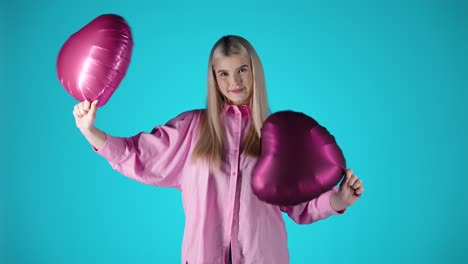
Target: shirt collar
{"points": [[229, 109]]}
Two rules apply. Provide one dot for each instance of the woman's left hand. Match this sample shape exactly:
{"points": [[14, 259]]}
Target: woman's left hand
{"points": [[351, 188]]}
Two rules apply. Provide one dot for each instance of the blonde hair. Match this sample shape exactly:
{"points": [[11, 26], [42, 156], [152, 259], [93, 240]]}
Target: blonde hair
{"points": [[210, 144]]}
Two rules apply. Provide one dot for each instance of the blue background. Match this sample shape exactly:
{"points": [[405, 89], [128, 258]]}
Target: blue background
{"points": [[387, 78]]}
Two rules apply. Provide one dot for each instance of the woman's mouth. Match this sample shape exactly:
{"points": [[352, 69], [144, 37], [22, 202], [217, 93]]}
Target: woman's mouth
{"points": [[236, 91]]}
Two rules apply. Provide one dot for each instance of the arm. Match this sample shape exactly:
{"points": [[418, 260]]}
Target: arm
{"points": [[329, 203], [95, 137], [156, 158], [314, 210]]}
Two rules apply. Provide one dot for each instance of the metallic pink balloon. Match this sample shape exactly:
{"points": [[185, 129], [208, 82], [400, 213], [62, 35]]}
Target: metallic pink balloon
{"points": [[93, 61], [300, 160]]}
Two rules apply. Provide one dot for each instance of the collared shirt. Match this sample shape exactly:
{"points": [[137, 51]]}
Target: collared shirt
{"points": [[220, 208]]}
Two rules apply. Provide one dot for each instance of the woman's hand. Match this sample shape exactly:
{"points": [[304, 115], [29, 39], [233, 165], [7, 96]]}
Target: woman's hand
{"points": [[85, 115], [351, 188]]}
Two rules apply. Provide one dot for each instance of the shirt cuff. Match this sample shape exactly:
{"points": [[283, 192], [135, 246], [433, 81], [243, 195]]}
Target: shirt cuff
{"points": [[113, 148]]}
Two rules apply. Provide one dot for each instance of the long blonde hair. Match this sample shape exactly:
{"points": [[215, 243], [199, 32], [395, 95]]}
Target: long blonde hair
{"points": [[210, 144]]}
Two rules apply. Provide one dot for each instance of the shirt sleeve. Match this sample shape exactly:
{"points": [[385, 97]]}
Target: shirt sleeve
{"points": [[155, 158], [314, 210]]}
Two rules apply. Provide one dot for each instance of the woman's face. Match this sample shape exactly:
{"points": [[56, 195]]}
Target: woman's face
{"points": [[234, 78]]}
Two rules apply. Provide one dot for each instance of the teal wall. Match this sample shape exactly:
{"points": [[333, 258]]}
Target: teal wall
{"points": [[387, 78]]}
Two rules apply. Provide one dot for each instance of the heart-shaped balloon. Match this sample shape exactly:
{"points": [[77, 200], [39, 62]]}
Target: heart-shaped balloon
{"points": [[299, 161], [93, 61]]}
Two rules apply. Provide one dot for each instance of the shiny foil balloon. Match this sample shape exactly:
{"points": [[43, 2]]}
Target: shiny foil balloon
{"points": [[299, 161], [93, 61]]}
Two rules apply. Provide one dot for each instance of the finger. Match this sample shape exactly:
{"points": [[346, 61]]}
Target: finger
{"points": [[92, 111], [359, 190], [344, 182], [348, 175], [86, 105], [76, 111], [357, 184], [81, 109], [352, 180]]}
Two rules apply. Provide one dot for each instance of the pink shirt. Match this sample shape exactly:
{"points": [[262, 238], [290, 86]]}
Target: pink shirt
{"points": [[220, 208]]}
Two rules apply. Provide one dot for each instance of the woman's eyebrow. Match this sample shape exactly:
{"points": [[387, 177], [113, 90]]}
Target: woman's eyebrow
{"points": [[222, 70]]}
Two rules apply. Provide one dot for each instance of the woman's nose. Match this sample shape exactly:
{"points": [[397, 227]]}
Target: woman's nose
{"points": [[235, 79]]}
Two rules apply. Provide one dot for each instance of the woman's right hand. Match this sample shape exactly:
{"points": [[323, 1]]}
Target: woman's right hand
{"points": [[85, 114]]}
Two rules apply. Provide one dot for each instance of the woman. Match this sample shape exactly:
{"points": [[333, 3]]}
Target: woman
{"points": [[209, 156]]}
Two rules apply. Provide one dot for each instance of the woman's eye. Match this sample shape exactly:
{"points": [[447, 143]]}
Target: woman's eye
{"points": [[243, 70], [223, 74]]}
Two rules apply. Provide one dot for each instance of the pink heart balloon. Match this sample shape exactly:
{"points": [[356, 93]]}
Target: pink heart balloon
{"points": [[300, 160], [93, 61]]}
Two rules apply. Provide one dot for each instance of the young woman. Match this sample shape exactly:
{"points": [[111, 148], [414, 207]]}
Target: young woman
{"points": [[209, 155]]}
